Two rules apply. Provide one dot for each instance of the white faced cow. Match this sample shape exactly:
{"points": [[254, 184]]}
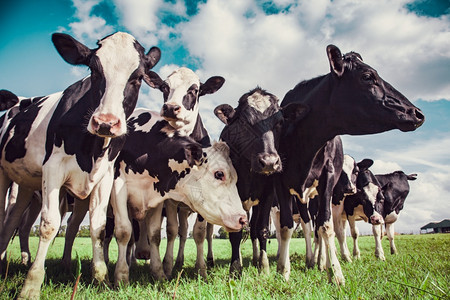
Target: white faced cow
{"points": [[156, 164], [68, 141]]}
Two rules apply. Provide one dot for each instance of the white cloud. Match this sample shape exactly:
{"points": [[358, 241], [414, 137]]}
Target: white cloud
{"points": [[89, 27]]}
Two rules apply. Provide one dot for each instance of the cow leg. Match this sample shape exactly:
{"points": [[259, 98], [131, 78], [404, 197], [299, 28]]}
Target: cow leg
{"points": [[153, 220], [236, 259], [183, 215], [262, 226], [142, 250], [275, 215], [5, 183], [98, 206], [13, 220], [52, 180], [340, 223], [24, 230], [109, 232], [199, 233], [354, 231], [377, 234], [287, 227], [209, 239], [305, 222], [254, 235], [171, 230], [123, 229], [80, 209], [390, 234]]}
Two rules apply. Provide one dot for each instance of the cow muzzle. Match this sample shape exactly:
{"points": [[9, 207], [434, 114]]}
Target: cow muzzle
{"points": [[235, 223], [170, 111], [267, 164], [105, 125], [376, 219]]}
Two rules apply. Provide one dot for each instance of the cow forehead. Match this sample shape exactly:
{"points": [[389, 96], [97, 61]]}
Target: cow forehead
{"points": [[371, 190], [118, 56], [348, 166], [182, 78], [259, 101]]}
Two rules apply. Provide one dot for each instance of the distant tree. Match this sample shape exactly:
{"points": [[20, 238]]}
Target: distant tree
{"points": [[34, 231], [223, 234], [62, 231], [84, 231]]}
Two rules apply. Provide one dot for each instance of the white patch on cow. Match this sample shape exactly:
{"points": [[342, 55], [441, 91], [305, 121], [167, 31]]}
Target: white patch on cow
{"points": [[179, 82], [347, 168], [371, 191], [249, 203], [155, 117], [311, 191], [259, 102], [178, 167], [119, 59], [391, 218]]}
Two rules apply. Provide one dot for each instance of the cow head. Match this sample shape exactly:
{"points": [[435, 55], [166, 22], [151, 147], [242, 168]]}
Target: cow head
{"points": [[182, 90], [117, 68], [395, 192], [370, 193], [211, 189], [349, 174], [253, 129], [366, 102]]}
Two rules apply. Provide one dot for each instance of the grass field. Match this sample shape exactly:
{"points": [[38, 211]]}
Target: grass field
{"points": [[421, 270]]}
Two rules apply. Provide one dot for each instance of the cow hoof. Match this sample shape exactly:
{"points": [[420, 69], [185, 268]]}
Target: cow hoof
{"points": [[381, 257], [264, 263], [235, 269], [26, 259], [357, 256], [210, 262], [394, 252], [346, 258], [285, 271]]}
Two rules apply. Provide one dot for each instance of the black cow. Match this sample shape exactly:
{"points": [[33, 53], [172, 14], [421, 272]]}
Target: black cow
{"points": [[68, 141], [351, 99], [252, 131]]}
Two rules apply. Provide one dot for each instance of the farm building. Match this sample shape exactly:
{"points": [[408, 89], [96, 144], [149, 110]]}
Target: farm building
{"points": [[437, 227]]}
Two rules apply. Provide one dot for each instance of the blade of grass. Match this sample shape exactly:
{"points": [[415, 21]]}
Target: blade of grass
{"points": [[414, 287]]}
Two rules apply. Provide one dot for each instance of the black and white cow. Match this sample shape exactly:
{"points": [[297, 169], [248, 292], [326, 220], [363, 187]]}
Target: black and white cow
{"points": [[68, 141], [364, 203], [252, 131], [395, 189], [182, 91], [351, 99], [156, 164]]}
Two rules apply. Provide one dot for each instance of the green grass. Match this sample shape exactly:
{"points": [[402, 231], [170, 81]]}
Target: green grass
{"points": [[421, 270]]}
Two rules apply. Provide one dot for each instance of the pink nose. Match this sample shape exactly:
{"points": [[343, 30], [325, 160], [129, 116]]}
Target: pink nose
{"points": [[375, 220], [105, 124]]}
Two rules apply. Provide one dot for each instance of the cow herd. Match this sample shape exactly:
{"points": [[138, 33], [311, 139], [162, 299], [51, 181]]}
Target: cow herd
{"points": [[87, 149]]}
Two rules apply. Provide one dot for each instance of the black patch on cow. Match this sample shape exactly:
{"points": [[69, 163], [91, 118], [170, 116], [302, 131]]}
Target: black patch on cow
{"points": [[7, 100], [22, 119], [150, 151], [191, 97]]}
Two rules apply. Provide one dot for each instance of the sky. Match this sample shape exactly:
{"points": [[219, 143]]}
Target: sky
{"points": [[273, 44]]}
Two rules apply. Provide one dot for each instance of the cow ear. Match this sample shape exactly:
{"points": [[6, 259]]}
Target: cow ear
{"points": [[411, 176], [193, 153], [7, 100], [365, 164], [336, 61], [225, 113], [72, 51], [295, 111], [153, 80], [153, 56], [211, 85]]}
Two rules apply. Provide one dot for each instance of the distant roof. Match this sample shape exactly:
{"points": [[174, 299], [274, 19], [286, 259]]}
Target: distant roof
{"points": [[443, 223]]}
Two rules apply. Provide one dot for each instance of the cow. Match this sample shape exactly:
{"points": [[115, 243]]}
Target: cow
{"points": [[366, 203], [395, 189], [68, 141], [181, 92], [157, 163], [351, 99], [252, 131]]}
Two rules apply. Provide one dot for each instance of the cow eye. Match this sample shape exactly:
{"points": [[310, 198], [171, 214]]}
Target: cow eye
{"points": [[219, 175]]}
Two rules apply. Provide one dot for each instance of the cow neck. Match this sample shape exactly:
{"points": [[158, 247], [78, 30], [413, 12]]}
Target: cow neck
{"points": [[67, 126], [200, 134], [306, 137]]}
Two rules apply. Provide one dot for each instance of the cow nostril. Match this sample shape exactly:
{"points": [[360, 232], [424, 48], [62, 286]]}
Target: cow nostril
{"points": [[176, 108], [243, 221], [419, 114]]}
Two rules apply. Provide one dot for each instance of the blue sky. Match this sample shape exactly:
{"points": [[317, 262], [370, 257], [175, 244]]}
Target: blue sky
{"points": [[274, 44]]}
